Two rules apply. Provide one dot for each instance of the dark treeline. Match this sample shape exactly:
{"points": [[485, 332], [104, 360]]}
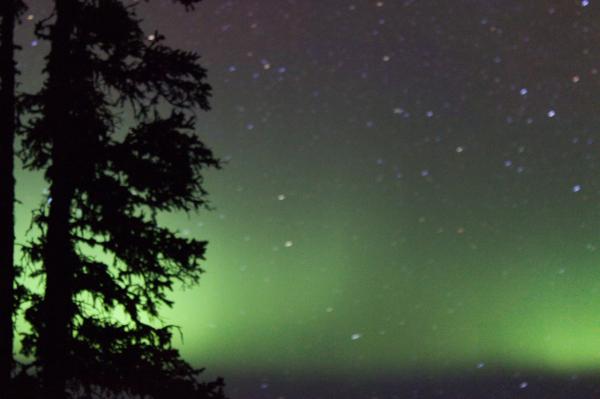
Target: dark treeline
{"points": [[107, 183], [9, 11]]}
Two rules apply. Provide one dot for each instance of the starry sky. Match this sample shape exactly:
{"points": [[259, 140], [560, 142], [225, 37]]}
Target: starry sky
{"points": [[410, 203]]}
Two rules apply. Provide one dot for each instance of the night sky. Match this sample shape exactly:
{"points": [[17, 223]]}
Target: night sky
{"points": [[410, 204]]}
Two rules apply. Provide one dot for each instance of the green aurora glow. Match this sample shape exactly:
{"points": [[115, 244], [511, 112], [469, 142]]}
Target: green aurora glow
{"points": [[436, 260], [427, 302]]}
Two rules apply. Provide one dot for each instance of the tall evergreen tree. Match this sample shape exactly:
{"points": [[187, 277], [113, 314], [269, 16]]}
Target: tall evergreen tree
{"points": [[57, 127], [105, 195], [9, 12]]}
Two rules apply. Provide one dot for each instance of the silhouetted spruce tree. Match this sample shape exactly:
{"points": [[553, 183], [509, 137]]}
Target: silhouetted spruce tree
{"points": [[9, 13], [57, 134], [105, 194]]}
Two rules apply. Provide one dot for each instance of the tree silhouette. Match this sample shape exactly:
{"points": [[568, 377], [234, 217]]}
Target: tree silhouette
{"points": [[105, 195], [9, 12]]}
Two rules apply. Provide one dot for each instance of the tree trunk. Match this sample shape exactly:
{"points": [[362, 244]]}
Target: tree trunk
{"points": [[57, 306], [7, 189], [58, 302]]}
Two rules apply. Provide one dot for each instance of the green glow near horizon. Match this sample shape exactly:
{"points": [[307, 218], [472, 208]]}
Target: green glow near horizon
{"points": [[271, 307]]}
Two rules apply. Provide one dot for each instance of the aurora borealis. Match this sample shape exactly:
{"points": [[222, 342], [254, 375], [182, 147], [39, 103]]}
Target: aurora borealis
{"points": [[412, 188]]}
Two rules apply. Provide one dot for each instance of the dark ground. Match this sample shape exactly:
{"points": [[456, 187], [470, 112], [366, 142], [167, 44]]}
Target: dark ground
{"points": [[507, 386]]}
